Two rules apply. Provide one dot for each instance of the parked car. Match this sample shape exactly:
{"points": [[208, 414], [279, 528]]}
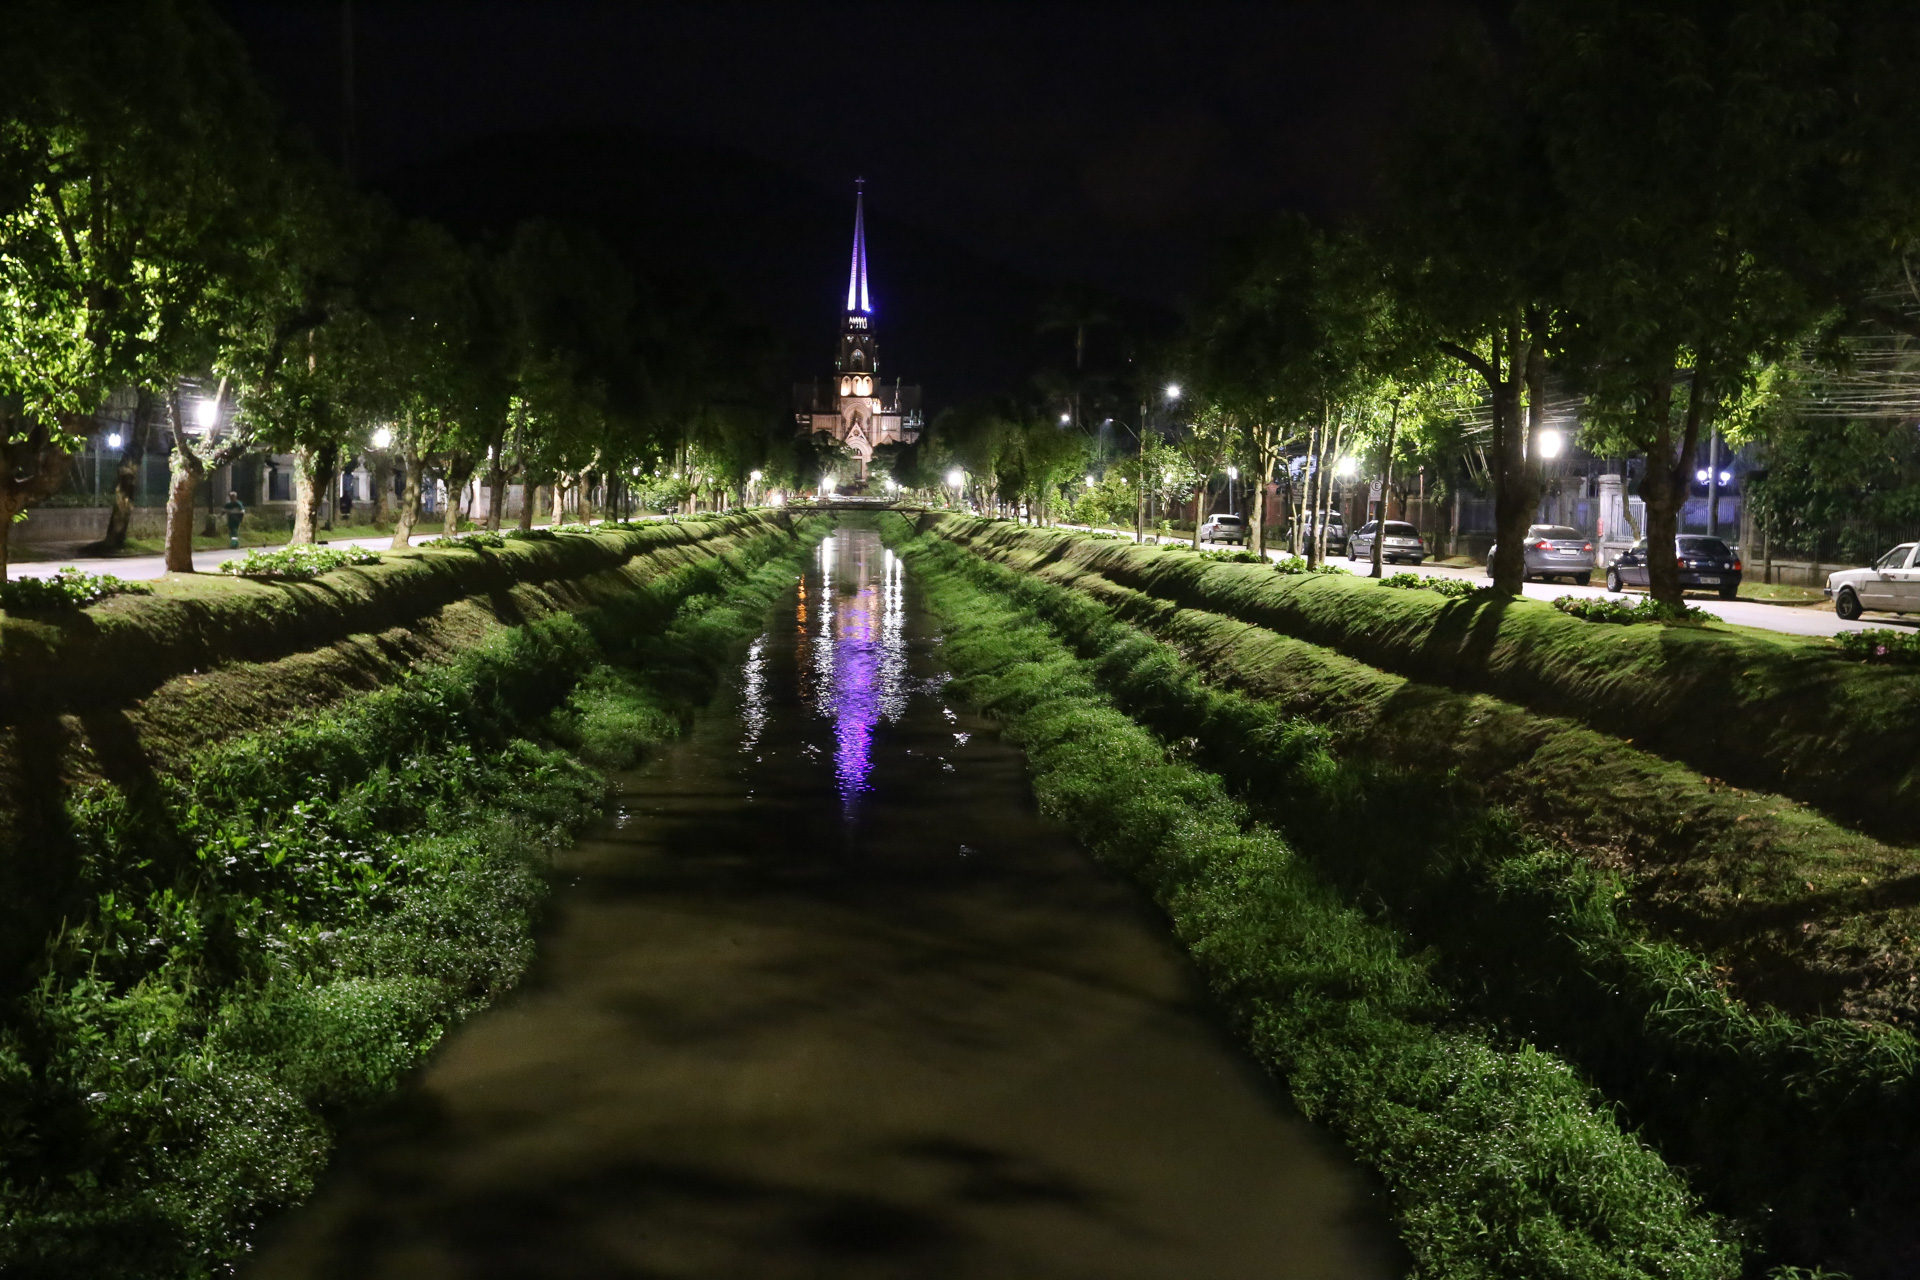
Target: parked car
{"points": [[1554, 551], [1336, 530], [1704, 562], [1891, 584], [1402, 542], [1224, 528]]}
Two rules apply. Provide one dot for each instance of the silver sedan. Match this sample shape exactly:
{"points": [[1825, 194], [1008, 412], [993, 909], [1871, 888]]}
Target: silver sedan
{"points": [[1554, 551]]}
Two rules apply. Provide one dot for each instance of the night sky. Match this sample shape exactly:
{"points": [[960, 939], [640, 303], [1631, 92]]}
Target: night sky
{"points": [[1006, 148]]}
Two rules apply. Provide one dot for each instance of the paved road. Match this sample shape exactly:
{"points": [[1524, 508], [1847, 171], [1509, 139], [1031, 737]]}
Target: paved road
{"points": [[1796, 620]]}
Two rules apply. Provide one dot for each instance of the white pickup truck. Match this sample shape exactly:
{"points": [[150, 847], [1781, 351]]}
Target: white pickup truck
{"points": [[1891, 585]]}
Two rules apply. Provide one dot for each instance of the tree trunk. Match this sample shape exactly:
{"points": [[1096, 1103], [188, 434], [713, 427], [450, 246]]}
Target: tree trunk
{"points": [[409, 512], [459, 474], [559, 496], [307, 492], [186, 474], [380, 472], [1665, 486], [583, 497], [31, 469], [1303, 531], [1386, 487], [328, 484], [529, 498], [126, 476]]}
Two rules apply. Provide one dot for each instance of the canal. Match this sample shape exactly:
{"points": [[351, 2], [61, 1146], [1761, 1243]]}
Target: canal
{"points": [[823, 996]]}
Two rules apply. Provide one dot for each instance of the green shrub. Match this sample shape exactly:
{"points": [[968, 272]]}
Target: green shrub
{"points": [[298, 562], [69, 588], [530, 535], [1232, 557], [1451, 587], [1879, 644], [1298, 564], [1602, 609], [475, 539]]}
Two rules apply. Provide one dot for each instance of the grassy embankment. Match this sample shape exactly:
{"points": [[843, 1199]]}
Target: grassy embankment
{"points": [[267, 924], [1597, 897], [1500, 1161]]}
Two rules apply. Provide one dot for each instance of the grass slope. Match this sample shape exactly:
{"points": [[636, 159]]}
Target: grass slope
{"points": [[271, 933], [1772, 712], [1500, 1160]]}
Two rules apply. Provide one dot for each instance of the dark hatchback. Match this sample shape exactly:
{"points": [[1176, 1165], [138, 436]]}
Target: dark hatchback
{"points": [[1706, 564]]}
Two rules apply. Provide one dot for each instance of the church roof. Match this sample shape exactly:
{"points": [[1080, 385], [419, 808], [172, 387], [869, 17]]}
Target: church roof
{"points": [[857, 297]]}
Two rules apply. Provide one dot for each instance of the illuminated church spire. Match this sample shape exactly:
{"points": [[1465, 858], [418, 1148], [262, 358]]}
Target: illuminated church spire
{"points": [[858, 300]]}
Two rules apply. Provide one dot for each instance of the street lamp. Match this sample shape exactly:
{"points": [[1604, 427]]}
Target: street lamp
{"points": [[1066, 419], [1089, 482], [1551, 443], [956, 478], [206, 414], [113, 440], [383, 437], [1173, 391]]}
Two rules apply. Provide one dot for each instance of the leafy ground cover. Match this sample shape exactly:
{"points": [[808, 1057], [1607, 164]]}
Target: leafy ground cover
{"points": [[307, 561], [1500, 1160], [1602, 609], [68, 588], [268, 936], [1879, 644], [1453, 588]]}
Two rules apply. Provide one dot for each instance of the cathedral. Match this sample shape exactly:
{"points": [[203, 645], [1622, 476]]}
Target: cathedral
{"points": [[856, 405]]}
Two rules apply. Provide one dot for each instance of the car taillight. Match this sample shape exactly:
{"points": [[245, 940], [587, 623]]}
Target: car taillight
{"points": [[1588, 547], [1736, 566], [1681, 561], [1543, 546]]}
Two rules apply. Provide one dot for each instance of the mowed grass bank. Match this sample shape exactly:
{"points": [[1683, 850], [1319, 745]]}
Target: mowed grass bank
{"points": [[1499, 1159], [266, 934], [1425, 805], [1783, 714]]}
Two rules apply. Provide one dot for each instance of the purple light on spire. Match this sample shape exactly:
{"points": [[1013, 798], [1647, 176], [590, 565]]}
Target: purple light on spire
{"points": [[857, 298]]}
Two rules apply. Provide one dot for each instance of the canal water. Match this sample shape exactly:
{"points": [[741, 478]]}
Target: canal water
{"points": [[825, 997]]}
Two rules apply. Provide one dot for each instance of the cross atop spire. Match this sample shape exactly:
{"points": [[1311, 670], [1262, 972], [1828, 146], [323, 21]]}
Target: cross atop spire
{"points": [[858, 301]]}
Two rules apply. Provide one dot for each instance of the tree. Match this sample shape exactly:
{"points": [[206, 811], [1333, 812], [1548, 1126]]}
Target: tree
{"points": [[131, 140]]}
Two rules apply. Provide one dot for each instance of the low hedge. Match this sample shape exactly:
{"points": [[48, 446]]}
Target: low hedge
{"points": [[1775, 712]]}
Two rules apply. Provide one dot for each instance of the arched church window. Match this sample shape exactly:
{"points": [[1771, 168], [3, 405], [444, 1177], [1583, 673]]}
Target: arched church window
{"points": [[859, 358]]}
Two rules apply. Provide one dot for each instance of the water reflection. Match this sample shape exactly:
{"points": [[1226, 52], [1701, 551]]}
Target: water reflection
{"points": [[852, 651]]}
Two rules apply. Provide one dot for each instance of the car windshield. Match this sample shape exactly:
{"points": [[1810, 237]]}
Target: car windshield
{"points": [[1896, 558], [1397, 529], [1226, 519], [1702, 546], [1555, 533]]}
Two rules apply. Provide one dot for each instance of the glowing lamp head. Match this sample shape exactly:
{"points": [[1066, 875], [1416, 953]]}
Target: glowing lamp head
{"points": [[1089, 482], [754, 476], [1551, 444], [1233, 473], [206, 414], [1701, 475], [956, 477], [1066, 419], [383, 438], [1173, 391], [1348, 466], [1725, 476], [113, 440]]}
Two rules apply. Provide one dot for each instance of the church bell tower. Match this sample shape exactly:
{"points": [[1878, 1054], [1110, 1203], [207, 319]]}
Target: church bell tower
{"points": [[858, 409]]}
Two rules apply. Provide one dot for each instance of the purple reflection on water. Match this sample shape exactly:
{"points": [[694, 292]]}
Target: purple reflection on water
{"points": [[859, 673]]}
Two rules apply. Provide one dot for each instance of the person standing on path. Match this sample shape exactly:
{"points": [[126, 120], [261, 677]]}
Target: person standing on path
{"points": [[236, 510]]}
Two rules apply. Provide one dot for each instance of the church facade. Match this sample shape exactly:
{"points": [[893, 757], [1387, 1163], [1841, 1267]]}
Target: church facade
{"points": [[856, 405]]}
